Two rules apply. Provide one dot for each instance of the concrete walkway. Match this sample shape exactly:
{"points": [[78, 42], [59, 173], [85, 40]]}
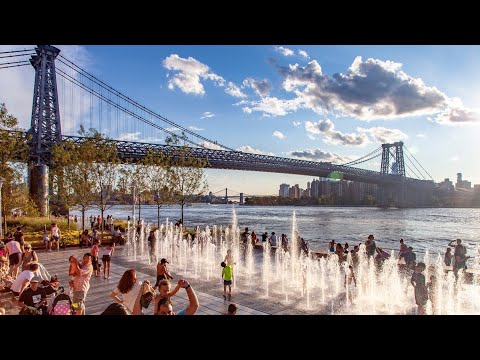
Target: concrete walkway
{"points": [[98, 297]]}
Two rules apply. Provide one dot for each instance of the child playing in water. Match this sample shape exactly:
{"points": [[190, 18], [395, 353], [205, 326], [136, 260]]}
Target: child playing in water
{"points": [[350, 277], [229, 258], [421, 292], [227, 276]]}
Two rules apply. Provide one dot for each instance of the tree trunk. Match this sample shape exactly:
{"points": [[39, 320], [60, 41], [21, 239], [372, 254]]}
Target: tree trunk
{"points": [[68, 219], [158, 215], [139, 208], [101, 220], [83, 219], [183, 204]]}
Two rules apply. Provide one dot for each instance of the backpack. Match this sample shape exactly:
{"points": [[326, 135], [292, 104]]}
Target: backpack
{"points": [[62, 305]]}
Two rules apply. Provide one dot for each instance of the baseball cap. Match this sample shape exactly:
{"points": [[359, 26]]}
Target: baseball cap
{"points": [[35, 279], [27, 246]]}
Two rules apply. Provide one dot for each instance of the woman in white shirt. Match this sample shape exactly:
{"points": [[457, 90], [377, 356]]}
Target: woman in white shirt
{"points": [[131, 291]]}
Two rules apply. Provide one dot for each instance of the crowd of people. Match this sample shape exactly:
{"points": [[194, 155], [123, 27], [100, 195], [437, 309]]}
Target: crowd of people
{"points": [[132, 296]]}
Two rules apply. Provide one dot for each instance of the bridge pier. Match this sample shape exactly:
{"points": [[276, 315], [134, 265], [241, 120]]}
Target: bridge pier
{"points": [[38, 185]]}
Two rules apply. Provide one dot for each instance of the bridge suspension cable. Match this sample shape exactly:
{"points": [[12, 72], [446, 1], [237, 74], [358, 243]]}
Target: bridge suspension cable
{"points": [[354, 162], [16, 51], [16, 55], [430, 176], [421, 174], [110, 89], [10, 66], [110, 102]]}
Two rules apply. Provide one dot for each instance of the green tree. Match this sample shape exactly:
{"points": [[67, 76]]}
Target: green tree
{"points": [[72, 165], [160, 179], [104, 168], [186, 174], [13, 156]]}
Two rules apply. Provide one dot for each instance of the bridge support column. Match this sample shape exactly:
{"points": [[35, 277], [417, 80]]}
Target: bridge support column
{"points": [[38, 183], [241, 198]]}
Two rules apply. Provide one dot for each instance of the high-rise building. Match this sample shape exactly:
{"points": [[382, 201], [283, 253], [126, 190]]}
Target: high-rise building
{"points": [[284, 190], [462, 184]]}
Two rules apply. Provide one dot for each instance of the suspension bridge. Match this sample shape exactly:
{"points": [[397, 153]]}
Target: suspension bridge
{"points": [[66, 96]]}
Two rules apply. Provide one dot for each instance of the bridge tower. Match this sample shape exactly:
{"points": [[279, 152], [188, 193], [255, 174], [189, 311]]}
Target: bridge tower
{"points": [[393, 193], [226, 195], [398, 168], [45, 127]]}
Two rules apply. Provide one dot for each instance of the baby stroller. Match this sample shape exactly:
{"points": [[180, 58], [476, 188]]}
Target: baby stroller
{"points": [[62, 304]]}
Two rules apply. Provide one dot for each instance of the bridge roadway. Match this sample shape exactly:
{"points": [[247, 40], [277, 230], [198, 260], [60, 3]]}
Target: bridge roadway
{"points": [[237, 160]]}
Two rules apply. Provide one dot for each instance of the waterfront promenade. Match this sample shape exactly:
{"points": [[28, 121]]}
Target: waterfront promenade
{"points": [[98, 297]]}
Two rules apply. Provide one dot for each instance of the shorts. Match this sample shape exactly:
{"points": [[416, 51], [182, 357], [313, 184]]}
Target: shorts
{"points": [[79, 298], [14, 259], [106, 258], [95, 263], [55, 238], [227, 282]]}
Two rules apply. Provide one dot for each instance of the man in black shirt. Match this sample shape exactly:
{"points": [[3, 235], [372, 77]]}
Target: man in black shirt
{"points": [[34, 296]]}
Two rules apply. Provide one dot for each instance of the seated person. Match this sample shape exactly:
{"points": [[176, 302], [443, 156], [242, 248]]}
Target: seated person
{"points": [[34, 296]]}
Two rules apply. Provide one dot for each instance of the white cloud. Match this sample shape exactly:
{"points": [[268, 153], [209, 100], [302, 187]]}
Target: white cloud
{"points": [[454, 158], [191, 72], [321, 155], [371, 89], [172, 129], [284, 51], [303, 53], [194, 128], [297, 123], [129, 136], [207, 114], [334, 137], [456, 114], [272, 106], [234, 90], [421, 136], [383, 135], [249, 149], [278, 134], [261, 87], [209, 145]]}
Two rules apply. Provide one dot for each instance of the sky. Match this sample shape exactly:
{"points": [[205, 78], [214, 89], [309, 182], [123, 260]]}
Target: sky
{"points": [[315, 102]]}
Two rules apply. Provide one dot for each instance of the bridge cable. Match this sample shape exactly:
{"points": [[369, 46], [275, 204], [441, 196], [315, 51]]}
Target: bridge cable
{"points": [[430, 176], [415, 167], [15, 51], [363, 161], [15, 62], [10, 66], [91, 92], [133, 102], [350, 162], [16, 55]]}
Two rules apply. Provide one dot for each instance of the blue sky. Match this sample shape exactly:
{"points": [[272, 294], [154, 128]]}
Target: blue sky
{"points": [[326, 103]]}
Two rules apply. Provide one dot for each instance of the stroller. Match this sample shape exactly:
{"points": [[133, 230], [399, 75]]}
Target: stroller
{"points": [[62, 304]]}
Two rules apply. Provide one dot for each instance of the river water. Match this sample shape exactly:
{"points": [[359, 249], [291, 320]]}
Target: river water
{"points": [[422, 229]]}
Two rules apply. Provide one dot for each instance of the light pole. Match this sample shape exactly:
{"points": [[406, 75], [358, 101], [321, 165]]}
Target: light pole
{"points": [[1, 219]]}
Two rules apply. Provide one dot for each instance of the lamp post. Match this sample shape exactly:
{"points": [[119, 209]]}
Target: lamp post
{"points": [[1, 219]]}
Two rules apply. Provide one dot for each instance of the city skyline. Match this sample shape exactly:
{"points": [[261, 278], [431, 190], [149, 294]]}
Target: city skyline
{"points": [[325, 103]]}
